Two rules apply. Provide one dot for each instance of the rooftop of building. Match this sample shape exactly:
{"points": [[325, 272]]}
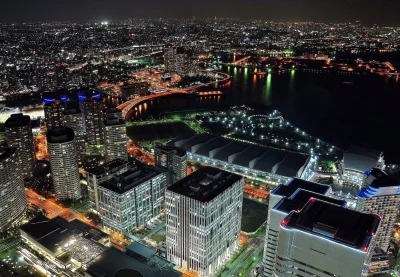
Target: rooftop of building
{"points": [[113, 122], [54, 233], [244, 154], [177, 150], [72, 111], [17, 120], [140, 249], [300, 198], [92, 100], [336, 223], [354, 149], [360, 159], [113, 110], [205, 184], [111, 262], [110, 166], [383, 179], [6, 153], [130, 179], [380, 180], [296, 183], [60, 134]]}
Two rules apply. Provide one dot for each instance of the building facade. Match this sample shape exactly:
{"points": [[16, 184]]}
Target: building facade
{"points": [[18, 130], [115, 139], [181, 61], [173, 160], [203, 220], [282, 200], [381, 197], [131, 199], [102, 174], [93, 121], [73, 119], [63, 163], [324, 239], [13, 202], [53, 113]]}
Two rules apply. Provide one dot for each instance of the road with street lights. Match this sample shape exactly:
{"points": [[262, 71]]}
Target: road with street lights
{"points": [[253, 252]]}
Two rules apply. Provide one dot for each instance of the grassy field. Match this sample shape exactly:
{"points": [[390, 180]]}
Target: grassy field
{"points": [[157, 238], [254, 215]]}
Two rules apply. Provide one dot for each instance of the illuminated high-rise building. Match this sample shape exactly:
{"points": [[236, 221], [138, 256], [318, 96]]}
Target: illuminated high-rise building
{"points": [[73, 120], [381, 197], [284, 199], [115, 139], [324, 239], [131, 199], [53, 113], [173, 160], [63, 163], [181, 61], [12, 193], [203, 219], [100, 174], [93, 121], [18, 130]]}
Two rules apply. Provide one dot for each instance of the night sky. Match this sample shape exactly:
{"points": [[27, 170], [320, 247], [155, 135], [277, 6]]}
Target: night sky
{"points": [[368, 11]]}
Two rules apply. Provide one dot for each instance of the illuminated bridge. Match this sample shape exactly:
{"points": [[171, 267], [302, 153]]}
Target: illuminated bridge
{"points": [[129, 105]]}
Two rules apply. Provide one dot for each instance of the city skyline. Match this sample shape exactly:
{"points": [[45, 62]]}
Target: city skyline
{"points": [[366, 12], [191, 141]]}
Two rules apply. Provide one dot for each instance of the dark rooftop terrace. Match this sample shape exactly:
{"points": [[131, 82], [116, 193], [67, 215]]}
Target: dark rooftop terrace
{"points": [[296, 184], [300, 198], [205, 184], [336, 223], [131, 179]]}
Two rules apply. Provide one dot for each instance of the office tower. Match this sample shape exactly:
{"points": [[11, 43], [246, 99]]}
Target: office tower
{"points": [[101, 174], [115, 139], [381, 197], [173, 160], [93, 121], [12, 194], [283, 199], [203, 219], [63, 163], [53, 113], [131, 199], [73, 120], [324, 239], [19, 135]]}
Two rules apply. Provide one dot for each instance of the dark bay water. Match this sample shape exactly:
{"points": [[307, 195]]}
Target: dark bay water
{"points": [[341, 109]]}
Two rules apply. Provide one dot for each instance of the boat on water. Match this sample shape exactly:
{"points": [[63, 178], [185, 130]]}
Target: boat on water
{"points": [[262, 73]]}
